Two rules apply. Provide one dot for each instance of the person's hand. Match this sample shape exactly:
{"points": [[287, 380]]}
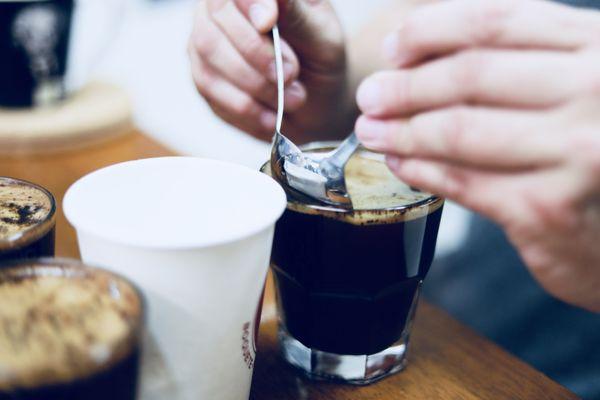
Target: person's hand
{"points": [[496, 105], [233, 65]]}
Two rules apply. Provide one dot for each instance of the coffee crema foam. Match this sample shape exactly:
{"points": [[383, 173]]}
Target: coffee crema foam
{"points": [[378, 196], [23, 207], [59, 324], [372, 186]]}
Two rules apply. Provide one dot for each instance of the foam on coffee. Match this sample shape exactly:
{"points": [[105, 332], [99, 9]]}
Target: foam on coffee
{"points": [[60, 323], [378, 196], [372, 186], [23, 208]]}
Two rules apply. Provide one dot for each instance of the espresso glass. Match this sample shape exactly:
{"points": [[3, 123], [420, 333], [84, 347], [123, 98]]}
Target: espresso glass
{"points": [[27, 220], [70, 332], [348, 283]]}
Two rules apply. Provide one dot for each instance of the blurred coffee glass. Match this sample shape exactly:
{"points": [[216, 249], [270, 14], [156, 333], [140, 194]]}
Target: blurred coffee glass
{"points": [[348, 281], [27, 220], [69, 332], [36, 43]]}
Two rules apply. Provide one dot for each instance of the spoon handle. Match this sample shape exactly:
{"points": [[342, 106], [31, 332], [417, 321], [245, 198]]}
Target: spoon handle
{"points": [[279, 68], [342, 154]]}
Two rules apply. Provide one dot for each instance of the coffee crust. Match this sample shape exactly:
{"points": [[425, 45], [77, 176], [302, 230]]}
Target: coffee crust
{"points": [[61, 321], [26, 212]]}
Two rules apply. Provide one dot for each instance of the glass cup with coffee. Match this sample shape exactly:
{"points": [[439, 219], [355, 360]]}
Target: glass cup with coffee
{"points": [[69, 332], [27, 220], [348, 281]]}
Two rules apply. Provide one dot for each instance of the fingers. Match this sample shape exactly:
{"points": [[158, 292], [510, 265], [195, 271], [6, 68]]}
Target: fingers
{"points": [[447, 26], [224, 58], [542, 198], [485, 192], [232, 104], [485, 138], [238, 86], [493, 77], [256, 49]]}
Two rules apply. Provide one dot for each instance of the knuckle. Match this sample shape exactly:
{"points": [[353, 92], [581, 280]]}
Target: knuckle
{"points": [[205, 91], [556, 210], [455, 183], [395, 140], [459, 121], [537, 258], [202, 88], [243, 106], [203, 83], [261, 87], [203, 43], [251, 47], [585, 146], [406, 98], [489, 20], [469, 65], [417, 131]]}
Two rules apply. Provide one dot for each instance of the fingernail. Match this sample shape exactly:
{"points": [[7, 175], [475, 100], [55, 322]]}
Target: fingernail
{"points": [[295, 94], [259, 16], [394, 163], [372, 133], [268, 119], [392, 49], [368, 96]]}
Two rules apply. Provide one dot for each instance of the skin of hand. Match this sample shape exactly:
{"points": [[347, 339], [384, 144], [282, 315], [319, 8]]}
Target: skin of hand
{"points": [[496, 104], [233, 66]]}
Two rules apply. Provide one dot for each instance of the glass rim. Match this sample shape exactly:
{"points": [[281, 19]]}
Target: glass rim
{"points": [[23, 237], [431, 201], [72, 269], [72, 264]]}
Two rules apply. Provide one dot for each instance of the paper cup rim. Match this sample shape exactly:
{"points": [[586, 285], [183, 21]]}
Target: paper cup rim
{"points": [[276, 207]]}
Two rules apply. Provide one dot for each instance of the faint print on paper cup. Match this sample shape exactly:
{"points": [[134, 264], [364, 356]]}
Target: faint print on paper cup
{"points": [[196, 236]]}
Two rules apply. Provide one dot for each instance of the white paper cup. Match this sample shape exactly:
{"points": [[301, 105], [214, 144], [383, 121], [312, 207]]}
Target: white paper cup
{"points": [[195, 235]]}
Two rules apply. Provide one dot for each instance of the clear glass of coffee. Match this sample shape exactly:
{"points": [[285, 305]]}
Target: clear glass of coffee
{"points": [[348, 281], [27, 220], [69, 332]]}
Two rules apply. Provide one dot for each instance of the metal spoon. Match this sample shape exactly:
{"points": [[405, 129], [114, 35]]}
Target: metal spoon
{"points": [[318, 175]]}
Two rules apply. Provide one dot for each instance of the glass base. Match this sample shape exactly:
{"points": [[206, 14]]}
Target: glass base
{"points": [[352, 369]]}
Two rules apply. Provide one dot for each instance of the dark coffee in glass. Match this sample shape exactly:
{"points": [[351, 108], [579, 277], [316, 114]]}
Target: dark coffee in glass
{"points": [[27, 220], [69, 332], [348, 281]]}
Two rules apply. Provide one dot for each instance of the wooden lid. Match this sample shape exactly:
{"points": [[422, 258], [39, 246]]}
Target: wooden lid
{"points": [[98, 112]]}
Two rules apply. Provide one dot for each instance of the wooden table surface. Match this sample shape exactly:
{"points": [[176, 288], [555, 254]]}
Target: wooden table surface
{"points": [[446, 359]]}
